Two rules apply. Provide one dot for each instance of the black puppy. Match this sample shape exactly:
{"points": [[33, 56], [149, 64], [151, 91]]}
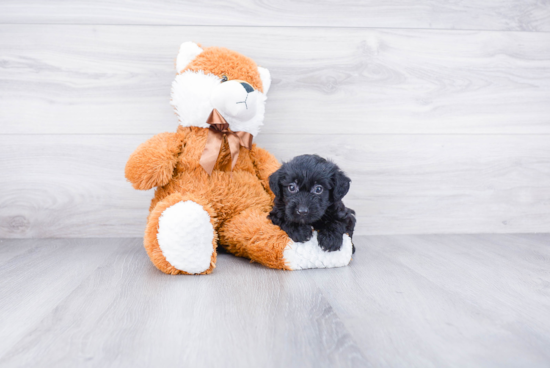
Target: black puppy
{"points": [[308, 193]]}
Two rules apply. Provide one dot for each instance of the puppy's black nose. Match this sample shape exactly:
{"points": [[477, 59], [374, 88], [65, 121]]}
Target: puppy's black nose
{"points": [[302, 211], [247, 87]]}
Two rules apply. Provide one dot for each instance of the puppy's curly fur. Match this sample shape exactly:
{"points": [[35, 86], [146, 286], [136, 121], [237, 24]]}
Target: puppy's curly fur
{"points": [[308, 194]]}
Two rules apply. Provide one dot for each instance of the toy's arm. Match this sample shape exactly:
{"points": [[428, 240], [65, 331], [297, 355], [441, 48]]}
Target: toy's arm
{"points": [[152, 163], [265, 164]]}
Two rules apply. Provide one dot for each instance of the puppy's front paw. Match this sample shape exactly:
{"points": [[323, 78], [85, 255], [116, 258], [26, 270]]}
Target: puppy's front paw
{"points": [[329, 241], [301, 234]]}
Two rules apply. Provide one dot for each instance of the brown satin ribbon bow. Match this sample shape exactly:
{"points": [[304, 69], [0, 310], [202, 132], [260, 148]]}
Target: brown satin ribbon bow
{"points": [[217, 130]]}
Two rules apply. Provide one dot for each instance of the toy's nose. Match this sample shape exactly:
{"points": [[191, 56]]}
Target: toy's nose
{"points": [[247, 87], [302, 211]]}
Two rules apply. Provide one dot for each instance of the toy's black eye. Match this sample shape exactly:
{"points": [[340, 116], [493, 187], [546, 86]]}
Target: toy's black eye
{"points": [[292, 188], [224, 78], [318, 189]]}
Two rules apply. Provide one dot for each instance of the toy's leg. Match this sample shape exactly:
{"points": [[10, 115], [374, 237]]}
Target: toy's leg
{"points": [[251, 234], [180, 236]]}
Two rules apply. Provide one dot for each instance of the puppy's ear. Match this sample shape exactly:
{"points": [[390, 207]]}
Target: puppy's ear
{"points": [[340, 185], [274, 183]]}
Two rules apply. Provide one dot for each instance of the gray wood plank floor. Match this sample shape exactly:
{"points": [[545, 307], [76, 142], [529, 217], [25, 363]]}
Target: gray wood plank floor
{"points": [[405, 300]]}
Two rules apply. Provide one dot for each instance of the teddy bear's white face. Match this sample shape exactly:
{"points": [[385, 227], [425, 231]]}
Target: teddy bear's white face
{"points": [[196, 93]]}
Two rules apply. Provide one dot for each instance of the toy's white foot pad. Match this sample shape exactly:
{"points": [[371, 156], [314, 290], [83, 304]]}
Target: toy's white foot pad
{"points": [[185, 237], [300, 256]]}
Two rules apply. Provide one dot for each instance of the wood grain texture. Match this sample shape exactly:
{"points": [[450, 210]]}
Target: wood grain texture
{"points": [[69, 186], [526, 15], [129, 314], [37, 279], [418, 301], [116, 79], [74, 186], [424, 299]]}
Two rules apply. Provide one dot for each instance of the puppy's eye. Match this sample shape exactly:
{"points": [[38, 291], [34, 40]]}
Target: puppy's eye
{"points": [[318, 189], [292, 188], [224, 78]]}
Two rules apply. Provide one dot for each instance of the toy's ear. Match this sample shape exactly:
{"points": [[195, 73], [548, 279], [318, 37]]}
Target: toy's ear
{"points": [[188, 52], [265, 76], [274, 183], [340, 185]]}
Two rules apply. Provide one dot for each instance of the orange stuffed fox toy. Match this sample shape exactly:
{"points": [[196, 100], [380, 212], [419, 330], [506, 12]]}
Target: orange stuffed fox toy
{"points": [[212, 182]]}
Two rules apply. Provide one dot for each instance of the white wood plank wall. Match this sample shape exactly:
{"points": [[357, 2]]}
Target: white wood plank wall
{"points": [[439, 111]]}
